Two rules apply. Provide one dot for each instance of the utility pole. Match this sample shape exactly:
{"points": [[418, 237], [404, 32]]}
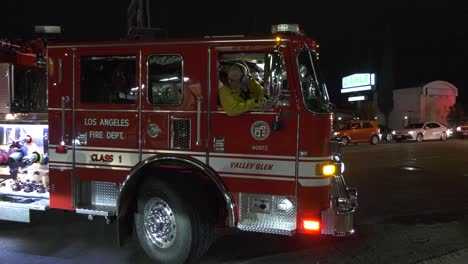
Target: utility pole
{"points": [[387, 79]]}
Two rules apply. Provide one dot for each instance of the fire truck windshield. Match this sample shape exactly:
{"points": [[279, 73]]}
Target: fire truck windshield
{"points": [[313, 89]]}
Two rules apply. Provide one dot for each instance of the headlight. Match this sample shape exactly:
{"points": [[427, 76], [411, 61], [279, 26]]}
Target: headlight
{"points": [[458, 128], [411, 132], [342, 167], [336, 133], [393, 132]]}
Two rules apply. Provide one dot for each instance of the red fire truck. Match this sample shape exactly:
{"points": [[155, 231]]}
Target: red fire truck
{"points": [[134, 131]]}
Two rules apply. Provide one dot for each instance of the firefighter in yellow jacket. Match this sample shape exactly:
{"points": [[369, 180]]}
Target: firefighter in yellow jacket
{"points": [[240, 94]]}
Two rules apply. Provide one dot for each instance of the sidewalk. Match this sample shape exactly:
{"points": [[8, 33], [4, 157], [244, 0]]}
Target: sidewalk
{"points": [[458, 257]]}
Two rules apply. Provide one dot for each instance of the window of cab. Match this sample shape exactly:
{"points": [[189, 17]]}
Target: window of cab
{"points": [[108, 79], [267, 68], [165, 79]]}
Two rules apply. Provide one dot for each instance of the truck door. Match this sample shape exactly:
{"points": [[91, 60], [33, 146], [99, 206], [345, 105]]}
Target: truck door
{"points": [[174, 100], [105, 115], [255, 152], [60, 92]]}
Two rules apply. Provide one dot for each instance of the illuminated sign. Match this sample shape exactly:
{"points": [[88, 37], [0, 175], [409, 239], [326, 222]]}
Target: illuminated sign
{"points": [[356, 98], [356, 89], [358, 79]]}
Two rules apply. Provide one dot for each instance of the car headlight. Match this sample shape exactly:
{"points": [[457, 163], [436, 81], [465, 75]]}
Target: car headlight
{"points": [[458, 128], [393, 132], [411, 132], [336, 133], [342, 167]]}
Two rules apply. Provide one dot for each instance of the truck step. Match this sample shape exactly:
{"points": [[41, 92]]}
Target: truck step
{"points": [[99, 210], [271, 214]]}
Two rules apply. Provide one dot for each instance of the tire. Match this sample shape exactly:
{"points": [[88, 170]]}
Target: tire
{"points": [[374, 140], [419, 137], [443, 137], [344, 141], [388, 137], [185, 232]]}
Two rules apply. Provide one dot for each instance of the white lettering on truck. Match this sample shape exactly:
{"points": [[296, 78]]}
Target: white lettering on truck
{"points": [[106, 122]]}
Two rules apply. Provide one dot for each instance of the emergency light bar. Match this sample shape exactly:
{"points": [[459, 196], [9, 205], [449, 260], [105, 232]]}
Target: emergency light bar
{"points": [[48, 29], [285, 28]]}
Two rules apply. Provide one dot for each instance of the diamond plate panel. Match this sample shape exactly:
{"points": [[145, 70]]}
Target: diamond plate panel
{"points": [[104, 193], [335, 224], [14, 214], [24, 203], [5, 84], [267, 214], [100, 210], [338, 219]]}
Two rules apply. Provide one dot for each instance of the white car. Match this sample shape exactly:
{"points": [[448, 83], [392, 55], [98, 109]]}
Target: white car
{"points": [[422, 131]]}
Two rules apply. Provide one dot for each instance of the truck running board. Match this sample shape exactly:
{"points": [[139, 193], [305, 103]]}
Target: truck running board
{"points": [[18, 208], [99, 210]]}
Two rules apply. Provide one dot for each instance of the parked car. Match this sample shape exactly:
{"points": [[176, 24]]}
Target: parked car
{"points": [[386, 133], [359, 131], [462, 131], [422, 131]]}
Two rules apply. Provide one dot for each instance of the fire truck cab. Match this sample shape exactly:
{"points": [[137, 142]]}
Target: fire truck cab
{"points": [[134, 131]]}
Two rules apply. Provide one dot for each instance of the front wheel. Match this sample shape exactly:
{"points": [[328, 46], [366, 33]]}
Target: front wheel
{"points": [[419, 137], [344, 141], [169, 225], [388, 137], [374, 140], [443, 137]]}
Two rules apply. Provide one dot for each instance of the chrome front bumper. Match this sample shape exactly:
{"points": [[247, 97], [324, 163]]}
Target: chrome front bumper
{"points": [[337, 220]]}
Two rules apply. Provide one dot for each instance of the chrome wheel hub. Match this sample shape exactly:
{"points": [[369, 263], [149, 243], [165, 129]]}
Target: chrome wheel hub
{"points": [[159, 222]]}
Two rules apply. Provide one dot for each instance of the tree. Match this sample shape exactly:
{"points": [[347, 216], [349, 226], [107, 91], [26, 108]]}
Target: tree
{"points": [[455, 115], [365, 111]]}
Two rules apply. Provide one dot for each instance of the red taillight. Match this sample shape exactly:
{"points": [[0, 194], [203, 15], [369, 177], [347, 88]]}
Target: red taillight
{"points": [[311, 225]]}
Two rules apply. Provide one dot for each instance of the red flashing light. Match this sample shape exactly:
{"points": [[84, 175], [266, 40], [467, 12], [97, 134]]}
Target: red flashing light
{"points": [[311, 225], [4, 157], [61, 149]]}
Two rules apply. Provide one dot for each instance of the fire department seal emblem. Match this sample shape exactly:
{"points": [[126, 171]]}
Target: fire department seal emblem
{"points": [[153, 130], [260, 130]]}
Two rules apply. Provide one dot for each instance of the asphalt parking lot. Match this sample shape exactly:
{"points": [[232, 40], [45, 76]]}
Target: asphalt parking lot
{"points": [[413, 208]]}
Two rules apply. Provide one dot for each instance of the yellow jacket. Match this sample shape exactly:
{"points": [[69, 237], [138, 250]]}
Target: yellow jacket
{"points": [[234, 104]]}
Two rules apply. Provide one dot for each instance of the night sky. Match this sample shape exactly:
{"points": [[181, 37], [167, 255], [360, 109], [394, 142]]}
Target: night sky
{"points": [[429, 38]]}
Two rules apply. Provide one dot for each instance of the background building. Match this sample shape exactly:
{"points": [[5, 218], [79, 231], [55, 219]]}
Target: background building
{"points": [[430, 102]]}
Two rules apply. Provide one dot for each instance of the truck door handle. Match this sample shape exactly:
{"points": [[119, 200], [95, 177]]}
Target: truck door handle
{"points": [[65, 99], [199, 105]]}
